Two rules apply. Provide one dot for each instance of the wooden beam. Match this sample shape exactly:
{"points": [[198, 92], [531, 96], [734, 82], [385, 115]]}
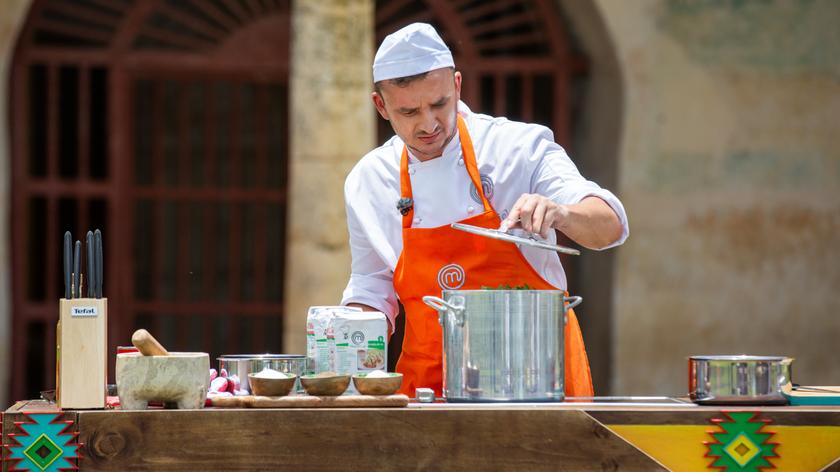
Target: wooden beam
{"points": [[510, 41], [503, 22], [485, 8], [81, 11], [183, 41], [527, 97], [83, 125], [236, 9], [211, 194], [455, 26], [76, 31], [221, 17], [52, 124], [195, 23], [110, 5], [186, 308], [354, 439], [255, 7]]}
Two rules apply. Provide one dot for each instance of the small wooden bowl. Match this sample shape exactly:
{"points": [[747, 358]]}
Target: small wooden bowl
{"points": [[378, 386], [325, 386], [269, 387]]}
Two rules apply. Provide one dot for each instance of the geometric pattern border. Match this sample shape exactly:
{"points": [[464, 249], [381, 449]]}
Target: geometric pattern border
{"points": [[740, 444], [43, 444]]}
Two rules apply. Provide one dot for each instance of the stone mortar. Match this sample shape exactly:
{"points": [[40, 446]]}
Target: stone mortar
{"points": [[181, 378]]}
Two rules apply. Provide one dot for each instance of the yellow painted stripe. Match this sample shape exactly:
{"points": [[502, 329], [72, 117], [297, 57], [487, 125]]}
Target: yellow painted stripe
{"points": [[681, 448]]}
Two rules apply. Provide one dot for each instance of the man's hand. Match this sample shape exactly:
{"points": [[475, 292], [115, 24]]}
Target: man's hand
{"points": [[536, 214], [370, 308], [591, 223]]}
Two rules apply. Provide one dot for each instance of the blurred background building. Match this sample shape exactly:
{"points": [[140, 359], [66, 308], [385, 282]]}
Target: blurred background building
{"points": [[209, 140]]}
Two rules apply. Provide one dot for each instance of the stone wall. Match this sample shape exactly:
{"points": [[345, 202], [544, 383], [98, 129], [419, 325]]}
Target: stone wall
{"points": [[730, 171], [11, 20], [595, 147], [332, 127]]}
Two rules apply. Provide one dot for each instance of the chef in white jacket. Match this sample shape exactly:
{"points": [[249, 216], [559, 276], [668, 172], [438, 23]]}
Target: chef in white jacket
{"points": [[448, 164]]}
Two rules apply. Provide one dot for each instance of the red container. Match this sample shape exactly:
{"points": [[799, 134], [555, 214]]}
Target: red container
{"points": [[123, 349]]}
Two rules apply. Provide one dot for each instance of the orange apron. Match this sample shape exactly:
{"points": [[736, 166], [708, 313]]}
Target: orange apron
{"points": [[436, 258]]}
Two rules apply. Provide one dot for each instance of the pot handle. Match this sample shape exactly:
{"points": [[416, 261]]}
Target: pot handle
{"points": [[442, 306], [438, 304], [573, 302]]}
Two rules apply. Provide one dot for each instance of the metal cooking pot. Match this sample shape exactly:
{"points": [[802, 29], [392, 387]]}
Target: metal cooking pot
{"points": [[752, 380], [502, 345]]}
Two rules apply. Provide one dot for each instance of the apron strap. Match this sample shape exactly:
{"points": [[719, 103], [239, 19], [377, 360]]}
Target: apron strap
{"points": [[469, 162], [405, 187]]}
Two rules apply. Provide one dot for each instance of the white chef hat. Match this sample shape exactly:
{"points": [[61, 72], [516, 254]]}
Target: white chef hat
{"points": [[412, 50]]}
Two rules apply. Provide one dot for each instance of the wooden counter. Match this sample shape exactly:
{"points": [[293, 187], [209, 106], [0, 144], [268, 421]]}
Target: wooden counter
{"points": [[565, 436]]}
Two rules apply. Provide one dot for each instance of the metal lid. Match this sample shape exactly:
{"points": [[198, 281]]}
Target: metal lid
{"points": [[511, 238]]}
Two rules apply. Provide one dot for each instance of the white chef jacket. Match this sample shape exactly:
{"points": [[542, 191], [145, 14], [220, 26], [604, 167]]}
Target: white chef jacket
{"points": [[513, 158]]}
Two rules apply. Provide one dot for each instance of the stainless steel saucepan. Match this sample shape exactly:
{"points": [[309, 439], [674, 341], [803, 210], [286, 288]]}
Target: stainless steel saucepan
{"points": [[740, 379]]}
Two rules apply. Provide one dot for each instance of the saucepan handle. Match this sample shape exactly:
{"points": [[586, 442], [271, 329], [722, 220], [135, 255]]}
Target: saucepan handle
{"points": [[572, 302]]}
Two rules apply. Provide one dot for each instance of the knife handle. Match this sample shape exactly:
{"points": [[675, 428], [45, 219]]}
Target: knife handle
{"points": [[77, 266], [97, 251], [91, 264]]}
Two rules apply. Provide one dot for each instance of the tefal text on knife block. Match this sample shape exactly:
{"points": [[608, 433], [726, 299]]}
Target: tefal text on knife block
{"points": [[81, 348]]}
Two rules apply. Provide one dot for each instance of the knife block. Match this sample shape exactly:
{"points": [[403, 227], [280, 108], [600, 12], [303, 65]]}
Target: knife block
{"points": [[81, 353]]}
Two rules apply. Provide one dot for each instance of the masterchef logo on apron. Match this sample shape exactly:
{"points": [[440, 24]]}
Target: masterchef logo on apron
{"points": [[451, 277]]}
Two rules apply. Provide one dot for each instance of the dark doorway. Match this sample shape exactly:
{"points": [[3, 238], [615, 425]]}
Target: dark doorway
{"points": [[163, 123]]}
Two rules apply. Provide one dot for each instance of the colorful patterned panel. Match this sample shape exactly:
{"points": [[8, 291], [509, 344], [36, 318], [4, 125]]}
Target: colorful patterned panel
{"points": [[43, 445], [732, 441], [740, 443]]}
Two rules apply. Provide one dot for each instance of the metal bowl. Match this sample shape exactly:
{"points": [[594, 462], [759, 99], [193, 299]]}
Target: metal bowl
{"points": [[739, 379], [243, 364]]}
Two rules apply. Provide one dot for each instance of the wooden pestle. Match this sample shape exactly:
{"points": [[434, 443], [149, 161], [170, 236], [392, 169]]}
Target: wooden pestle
{"points": [[147, 344]]}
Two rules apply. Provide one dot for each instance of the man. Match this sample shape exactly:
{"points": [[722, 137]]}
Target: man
{"points": [[447, 164]]}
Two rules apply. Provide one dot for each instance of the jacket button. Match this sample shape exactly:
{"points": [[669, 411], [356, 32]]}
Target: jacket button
{"points": [[417, 220], [460, 162], [470, 209], [411, 171]]}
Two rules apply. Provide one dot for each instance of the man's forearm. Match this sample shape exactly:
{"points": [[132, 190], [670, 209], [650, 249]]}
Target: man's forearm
{"points": [[592, 223]]}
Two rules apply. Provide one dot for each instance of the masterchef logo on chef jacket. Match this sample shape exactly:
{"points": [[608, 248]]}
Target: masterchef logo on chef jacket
{"points": [[486, 185], [451, 277]]}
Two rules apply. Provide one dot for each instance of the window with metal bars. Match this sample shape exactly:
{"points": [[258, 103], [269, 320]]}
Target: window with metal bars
{"points": [[164, 124]]}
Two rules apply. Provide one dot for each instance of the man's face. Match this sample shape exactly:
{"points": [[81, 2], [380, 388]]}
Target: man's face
{"points": [[423, 111]]}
